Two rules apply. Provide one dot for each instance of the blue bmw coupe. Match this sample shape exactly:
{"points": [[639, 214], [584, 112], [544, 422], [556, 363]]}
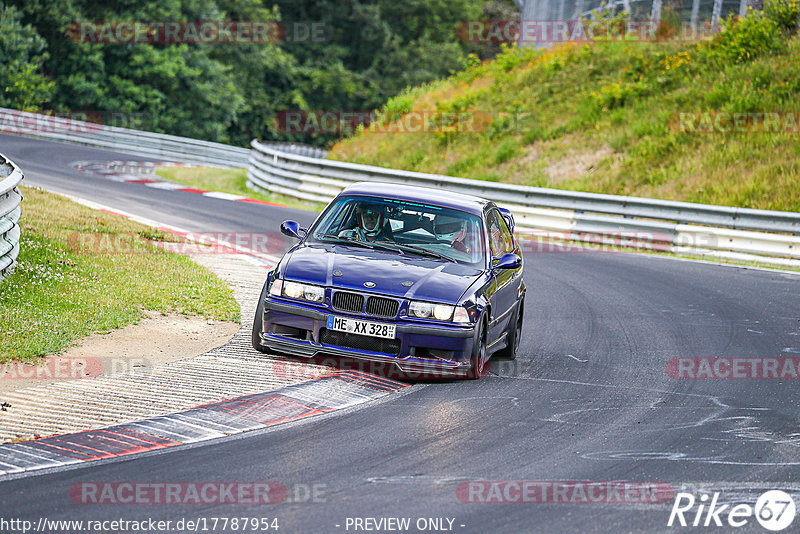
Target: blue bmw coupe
{"points": [[427, 281]]}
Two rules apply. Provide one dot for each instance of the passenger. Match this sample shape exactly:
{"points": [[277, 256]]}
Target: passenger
{"points": [[460, 239], [455, 230]]}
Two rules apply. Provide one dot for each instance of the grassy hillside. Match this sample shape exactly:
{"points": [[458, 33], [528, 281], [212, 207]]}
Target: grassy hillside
{"points": [[604, 117]]}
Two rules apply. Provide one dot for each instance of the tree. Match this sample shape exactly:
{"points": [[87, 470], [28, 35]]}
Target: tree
{"points": [[370, 51], [22, 52]]}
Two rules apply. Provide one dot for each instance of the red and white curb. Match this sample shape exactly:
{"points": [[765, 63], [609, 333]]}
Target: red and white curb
{"points": [[143, 173], [335, 391]]}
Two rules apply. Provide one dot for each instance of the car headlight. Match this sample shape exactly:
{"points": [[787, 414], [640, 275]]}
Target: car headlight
{"points": [[443, 312], [313, 293], [440, 312], [296, 290], [423, 310]]}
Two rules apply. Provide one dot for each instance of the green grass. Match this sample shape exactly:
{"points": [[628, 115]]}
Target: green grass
{"points": [[232, 181], [602, 118], [63, 290]]}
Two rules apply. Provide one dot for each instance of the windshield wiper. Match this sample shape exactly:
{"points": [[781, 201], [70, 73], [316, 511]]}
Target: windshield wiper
{"points": [[348, 240], [424, 251], [386, 245]]}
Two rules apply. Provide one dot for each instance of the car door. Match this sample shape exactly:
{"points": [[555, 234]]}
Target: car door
{"points": [[507, 281]]}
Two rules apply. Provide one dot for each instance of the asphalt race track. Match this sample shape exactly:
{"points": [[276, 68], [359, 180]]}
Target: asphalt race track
{"points": [[589, 399], [49, 165]]}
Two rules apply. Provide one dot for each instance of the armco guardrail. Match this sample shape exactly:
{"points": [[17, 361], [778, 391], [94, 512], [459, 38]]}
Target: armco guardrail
{"points": [[10, 198], [148, 144], [136, 142], [682, 225]]}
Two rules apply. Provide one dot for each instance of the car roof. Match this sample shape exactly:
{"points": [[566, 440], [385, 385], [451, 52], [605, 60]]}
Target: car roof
{"points": [[428, 195]]}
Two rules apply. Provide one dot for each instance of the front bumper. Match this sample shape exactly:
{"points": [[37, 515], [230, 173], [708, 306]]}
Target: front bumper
{"points": [[295, 329]]}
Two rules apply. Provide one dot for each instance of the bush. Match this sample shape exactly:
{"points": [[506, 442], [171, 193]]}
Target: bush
{"points": [[783, 13], [743, 40], [395, 108], [617, 94], [22, 51]]}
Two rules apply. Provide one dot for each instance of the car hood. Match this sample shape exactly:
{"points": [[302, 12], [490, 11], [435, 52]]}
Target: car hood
{"points": [[346, 267]]}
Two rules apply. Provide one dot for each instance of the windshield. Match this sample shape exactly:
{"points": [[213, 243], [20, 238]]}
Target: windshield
{"points": [[408, 228]]}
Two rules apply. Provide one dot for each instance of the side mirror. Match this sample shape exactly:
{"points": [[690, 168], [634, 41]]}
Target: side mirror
{"points": [[292, 229], [507, 261]]}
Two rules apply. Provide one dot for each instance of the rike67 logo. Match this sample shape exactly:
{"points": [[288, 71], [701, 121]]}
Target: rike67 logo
{"points": [[774, 510]]}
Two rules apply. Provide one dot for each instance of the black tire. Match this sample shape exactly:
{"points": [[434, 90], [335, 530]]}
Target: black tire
{"points": [[514, 334], [479, 359], [258, 320]]}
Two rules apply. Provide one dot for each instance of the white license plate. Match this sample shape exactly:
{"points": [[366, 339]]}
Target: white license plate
{"points": [[364, 328]]}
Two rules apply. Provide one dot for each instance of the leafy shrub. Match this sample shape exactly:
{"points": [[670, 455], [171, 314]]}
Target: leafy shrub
{"points": [[743, 40], [617, 94], [511, 57], [783, 13], [395, 108], [22, 52]]}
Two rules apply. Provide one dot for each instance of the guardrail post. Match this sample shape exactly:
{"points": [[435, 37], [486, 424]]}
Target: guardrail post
{"points": [[716, 15], [655, 13], [10, 212], [695, 16]]}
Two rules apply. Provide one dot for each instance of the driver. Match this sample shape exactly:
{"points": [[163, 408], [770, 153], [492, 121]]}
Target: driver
{"points": [[371, 224]]}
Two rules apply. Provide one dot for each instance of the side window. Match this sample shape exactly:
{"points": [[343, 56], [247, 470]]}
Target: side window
{"points": [[508, 238], [500, 239], [336, 221]]}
